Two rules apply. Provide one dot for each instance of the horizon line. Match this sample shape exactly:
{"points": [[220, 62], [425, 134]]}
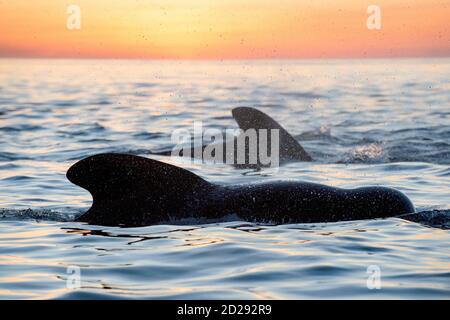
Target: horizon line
{"points": [[406, 57]]}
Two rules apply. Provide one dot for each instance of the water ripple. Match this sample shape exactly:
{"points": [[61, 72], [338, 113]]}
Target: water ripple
{"points": [[359, 130]]}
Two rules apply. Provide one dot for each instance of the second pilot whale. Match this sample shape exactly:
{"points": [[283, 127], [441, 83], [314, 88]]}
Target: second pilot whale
{"points": [[247, 118]]}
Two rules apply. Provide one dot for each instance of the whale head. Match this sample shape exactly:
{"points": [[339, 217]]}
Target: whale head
{"points": [[377, 202]]}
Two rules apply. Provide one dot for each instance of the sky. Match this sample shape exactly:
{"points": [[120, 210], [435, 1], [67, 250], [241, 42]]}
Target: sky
{"points": [[224, 29]]}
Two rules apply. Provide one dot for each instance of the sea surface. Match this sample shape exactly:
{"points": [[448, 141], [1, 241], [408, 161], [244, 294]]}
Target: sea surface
{"points": [[365, 122]]}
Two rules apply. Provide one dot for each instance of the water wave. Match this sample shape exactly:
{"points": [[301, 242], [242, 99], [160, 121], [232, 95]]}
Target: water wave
{"points": [[432, 218], [359, 129]]}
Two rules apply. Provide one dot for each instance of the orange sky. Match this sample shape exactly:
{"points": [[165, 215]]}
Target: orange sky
{"points": [[224, 29]]}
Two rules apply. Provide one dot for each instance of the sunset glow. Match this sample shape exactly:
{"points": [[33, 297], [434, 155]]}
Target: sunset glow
{"points": [[224, 29]]}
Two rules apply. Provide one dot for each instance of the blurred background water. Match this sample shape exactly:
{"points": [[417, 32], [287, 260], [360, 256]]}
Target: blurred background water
{"points": [[365, 122]]}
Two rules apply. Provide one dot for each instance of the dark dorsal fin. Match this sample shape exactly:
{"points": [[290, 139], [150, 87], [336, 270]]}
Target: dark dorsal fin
{"points": [[251, 118], [113, 173], [122, 184]]}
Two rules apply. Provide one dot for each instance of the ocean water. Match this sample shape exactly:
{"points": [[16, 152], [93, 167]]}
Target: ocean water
{"points": [[367, 122]]}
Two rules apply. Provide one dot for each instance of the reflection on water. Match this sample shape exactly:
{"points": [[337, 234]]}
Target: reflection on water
{"points": [[364, 122], [227, 260]]}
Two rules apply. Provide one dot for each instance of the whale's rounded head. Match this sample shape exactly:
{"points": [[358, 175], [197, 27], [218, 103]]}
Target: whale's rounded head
{"points": [[400, 202], [379, 202]]}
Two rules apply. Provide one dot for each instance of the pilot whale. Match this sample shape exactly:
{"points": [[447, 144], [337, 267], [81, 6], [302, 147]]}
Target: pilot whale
{"points": [[247, 118], [132, 191]]}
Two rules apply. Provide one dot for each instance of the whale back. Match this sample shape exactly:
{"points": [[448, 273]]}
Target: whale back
{"points": [[123, 185], [128, 190], [251, 118]]}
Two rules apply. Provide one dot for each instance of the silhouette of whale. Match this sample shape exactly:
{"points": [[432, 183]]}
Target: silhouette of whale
{"points": [[130, 191], [250, 118]]}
